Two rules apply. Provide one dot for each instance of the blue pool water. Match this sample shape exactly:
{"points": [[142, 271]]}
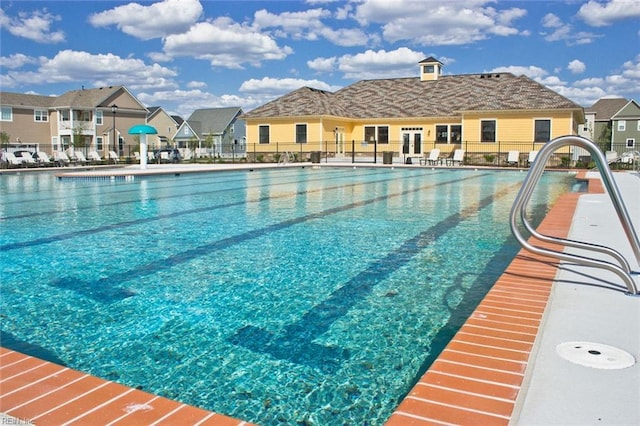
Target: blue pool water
{"points": [[289, 296]]}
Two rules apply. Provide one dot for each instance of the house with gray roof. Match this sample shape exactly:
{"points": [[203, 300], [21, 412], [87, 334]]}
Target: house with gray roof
{"points": [[214, 131], [166, 124]]}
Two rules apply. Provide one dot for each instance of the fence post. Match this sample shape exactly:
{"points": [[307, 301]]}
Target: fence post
{"points": [[375, 151], [353, 151]]}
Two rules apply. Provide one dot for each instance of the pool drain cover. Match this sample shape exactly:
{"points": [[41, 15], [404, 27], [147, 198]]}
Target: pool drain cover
{"points": [[595, 355]]}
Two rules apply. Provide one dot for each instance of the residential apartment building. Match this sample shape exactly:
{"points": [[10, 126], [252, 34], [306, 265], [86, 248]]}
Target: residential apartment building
{"points": [[90, 119]]}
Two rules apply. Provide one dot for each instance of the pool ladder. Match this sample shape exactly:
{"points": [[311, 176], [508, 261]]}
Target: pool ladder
{"points": [[621, 266]]}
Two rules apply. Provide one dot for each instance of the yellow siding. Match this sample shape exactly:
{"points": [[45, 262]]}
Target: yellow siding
{"points": [[514, 130]]}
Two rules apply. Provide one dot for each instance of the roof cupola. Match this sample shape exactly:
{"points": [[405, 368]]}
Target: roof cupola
{"points": [[430, 69]]}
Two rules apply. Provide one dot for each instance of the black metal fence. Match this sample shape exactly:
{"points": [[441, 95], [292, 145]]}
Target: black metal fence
{"points": [[476, 153]]}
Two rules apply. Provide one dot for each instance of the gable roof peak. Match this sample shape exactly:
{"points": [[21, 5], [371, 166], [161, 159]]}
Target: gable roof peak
{"points": [[430, 59]]}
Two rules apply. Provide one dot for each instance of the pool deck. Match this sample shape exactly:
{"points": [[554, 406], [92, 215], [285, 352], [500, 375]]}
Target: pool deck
{"points": [[501, 367]]}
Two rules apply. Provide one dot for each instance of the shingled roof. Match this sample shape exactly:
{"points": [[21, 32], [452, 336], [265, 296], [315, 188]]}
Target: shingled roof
{"points": [[23, 100], [448, 96], [605, 108], [86, 98]]}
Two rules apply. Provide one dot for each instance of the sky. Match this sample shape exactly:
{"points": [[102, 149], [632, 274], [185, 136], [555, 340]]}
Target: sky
{"points": [[183, 55]]}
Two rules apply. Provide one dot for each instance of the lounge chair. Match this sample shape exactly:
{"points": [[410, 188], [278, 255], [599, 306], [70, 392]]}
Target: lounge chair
{"points": [[80, 158], [458, 157], [43, 158], [151, 157], [12, 159], [629, 157], [137, 155], [433, 158], [513, 158], [612, 157], [114, 157], [532, 157], [187, 154], [61, 158], [27, 159], [94, 157]]}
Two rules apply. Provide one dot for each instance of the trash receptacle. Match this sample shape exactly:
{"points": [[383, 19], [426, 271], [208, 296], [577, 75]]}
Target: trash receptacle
{"points": [[315, 157], [387, 157]]}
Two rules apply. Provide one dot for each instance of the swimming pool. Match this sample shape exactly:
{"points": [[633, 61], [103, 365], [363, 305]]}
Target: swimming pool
{"points": [[312, 296]]}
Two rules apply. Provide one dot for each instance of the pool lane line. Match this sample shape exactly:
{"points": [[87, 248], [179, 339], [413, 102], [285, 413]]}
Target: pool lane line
{"points": [[110, 227], [294, 343], [107, 289], [137, 191], [239, 176]]}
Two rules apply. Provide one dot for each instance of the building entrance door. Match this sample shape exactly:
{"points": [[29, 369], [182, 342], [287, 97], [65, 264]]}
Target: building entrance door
{"points": [[411, 142]]}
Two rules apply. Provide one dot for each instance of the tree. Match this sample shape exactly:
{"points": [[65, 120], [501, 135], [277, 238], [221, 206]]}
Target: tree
{"points": [[604, 138], [4, 138]]}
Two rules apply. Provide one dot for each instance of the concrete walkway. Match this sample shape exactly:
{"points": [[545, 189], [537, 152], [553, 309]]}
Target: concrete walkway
{"points": [[561, 392]]}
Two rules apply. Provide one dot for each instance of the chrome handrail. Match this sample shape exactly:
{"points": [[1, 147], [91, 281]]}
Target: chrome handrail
{"points": [[622, 268]]}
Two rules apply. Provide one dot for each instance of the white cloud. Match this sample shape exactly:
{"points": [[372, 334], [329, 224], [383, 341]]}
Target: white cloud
{"points": [[278, 86], [576, 66], [35, 26], [323, 64], [551, 21], [428, 23], [588, 90], [225, 44], [308, 25], [17, 60], [531, 71], [565, 32], [187, 101], [371, 64], [599, 14], [70, 66], [196, 84], [154, 21]]}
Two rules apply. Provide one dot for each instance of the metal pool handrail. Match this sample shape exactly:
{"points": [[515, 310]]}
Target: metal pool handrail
{"points": [[621, 268]]}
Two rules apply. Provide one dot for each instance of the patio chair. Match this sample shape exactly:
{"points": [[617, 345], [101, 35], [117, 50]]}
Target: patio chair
{"points": [[94, 157], [433, 158], [12, 159], [61, 158], [513, 158], [80, 158], [532, 157], [43, 158], [612, 157], [114, 157], [458, 157], [28, 160]]}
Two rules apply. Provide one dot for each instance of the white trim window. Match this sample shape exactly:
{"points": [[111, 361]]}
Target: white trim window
{"points": [[301, 133], [638, 126], [488, 131], [631, 142], [542, 130], [40, 115], [263, 134], [99, 118], [6, 114], [378, 134], [622, 125]]}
